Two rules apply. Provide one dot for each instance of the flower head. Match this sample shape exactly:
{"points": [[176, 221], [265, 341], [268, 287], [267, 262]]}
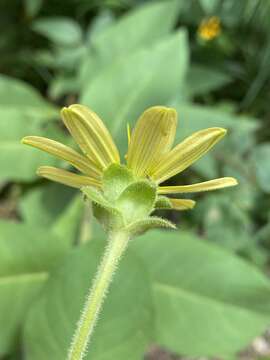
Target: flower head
{"points": [[209, 28], [151, 159]]}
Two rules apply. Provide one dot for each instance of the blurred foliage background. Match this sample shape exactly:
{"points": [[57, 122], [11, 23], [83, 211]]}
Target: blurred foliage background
{"points": [[201, 291]]}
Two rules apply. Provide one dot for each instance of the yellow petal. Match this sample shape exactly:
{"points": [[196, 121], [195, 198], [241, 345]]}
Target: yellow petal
{"points": [[91, 135], [64, 152], [152, 137], [182, 204], [186, 153], [66, 177], [128, 133], [203, 186]]}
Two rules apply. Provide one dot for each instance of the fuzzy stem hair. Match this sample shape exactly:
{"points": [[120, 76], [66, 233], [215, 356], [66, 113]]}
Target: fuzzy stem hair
{"points": [[116, 246]]}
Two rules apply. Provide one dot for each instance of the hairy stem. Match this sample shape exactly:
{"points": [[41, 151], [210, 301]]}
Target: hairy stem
{"points": [[117, 244]]}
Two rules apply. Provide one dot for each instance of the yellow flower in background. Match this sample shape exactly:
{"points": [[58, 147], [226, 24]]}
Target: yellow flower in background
{"points": [[209, 28], [151, 154]]}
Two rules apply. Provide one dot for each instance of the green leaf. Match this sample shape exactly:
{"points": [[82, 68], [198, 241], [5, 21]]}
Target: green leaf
{"points": [[26, 256], [32, 7], [60, 30], [67, 59], [61, 85], [43, 204], [104, 19], [137, 201], [225, 222], [209, 6], [139, 28], [115, 179], [197, 117], [199, 288], [22, 112], [124, 326], [201, 80], [148, 77], [263, 234], [17, 161], [67, 225], [16, 95], [109, 44], [261, 156]]}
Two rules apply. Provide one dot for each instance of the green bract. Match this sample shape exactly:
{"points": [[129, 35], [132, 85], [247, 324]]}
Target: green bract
{"points": [[126, 203]]}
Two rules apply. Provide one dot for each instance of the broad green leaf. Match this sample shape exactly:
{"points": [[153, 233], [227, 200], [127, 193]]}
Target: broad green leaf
{"points": [[242, 138], [46, 58], [263, 234], [149, 77], [99, 23], [201, 80], [138, 29], [56, 207], [62, 85], [196, 117], [207, 301], [225, 220], [68, 224], [246, 194], [124, 328], [26, 256], [69, 58], [18, 161], [207, 167], [15, 95], [89, 69], [43, 204], [261, 156], [63, 59], [60, 30], [209, 6]]}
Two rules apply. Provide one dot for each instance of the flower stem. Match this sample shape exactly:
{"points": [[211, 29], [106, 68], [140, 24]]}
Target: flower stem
{"points": [[117, 244]]}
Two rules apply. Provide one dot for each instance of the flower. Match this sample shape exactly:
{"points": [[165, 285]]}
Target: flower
{"points": [[209, 28], [151, 154]]}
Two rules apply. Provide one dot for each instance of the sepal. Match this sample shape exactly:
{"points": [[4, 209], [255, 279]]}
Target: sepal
{"points": [[108, 215], [97, 197], [151, 222], [163, 203], [125, 203], [137, 200], [115, 179]]}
